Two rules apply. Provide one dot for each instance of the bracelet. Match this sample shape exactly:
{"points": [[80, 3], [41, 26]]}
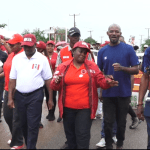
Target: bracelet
{"points": [[139, 104]]}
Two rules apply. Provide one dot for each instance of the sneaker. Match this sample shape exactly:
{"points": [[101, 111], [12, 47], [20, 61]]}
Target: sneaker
{"points": [[101, 143], [95, 118], [59, 119], [9, 141], [135, 123], [17, 147], [114, 139]]}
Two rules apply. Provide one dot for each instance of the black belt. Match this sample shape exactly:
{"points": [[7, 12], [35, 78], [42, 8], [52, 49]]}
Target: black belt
{"points": [[27, 94]]}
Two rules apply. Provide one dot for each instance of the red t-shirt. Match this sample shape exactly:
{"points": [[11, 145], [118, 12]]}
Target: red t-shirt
{"points": [[7, 67], [77, 88]]}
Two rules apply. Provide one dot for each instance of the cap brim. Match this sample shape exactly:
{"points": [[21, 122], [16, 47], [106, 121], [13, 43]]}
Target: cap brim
{"points": [[11, 42], [83, 47], [27, 44], [78, 34]]}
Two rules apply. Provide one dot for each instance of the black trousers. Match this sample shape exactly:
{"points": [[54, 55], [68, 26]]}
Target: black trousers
{"points": [[30, 109], [131, 112], [52, 111], [1, 95], [12, 119], [77, 126], [115, 108]]}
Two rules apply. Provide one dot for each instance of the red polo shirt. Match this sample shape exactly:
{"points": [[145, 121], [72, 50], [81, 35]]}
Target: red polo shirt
{"points": [[7, 68], [77, 88]]}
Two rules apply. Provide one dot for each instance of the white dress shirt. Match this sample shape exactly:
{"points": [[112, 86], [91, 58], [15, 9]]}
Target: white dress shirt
{"points": [[30, 74]]}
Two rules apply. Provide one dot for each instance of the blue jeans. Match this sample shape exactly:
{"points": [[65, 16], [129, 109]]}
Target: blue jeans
{"points": [[114, 131], [147, 118]]}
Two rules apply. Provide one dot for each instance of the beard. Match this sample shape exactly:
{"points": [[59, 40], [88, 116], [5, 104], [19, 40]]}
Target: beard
{"points": [[114, 41]]}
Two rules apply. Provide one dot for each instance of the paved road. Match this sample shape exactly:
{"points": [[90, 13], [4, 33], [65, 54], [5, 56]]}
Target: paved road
{"points": [[52, 135]]}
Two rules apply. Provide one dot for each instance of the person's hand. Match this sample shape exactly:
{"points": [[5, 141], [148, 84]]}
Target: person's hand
{"points": [[50, 104], [10, 104], [2, 41], [140, 112], [117, 67], [58, 79], [112, 83], [110, 77]]}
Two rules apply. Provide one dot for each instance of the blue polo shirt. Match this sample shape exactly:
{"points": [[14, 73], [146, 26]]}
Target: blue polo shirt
{"points": [[146, 61], [123, 54]]}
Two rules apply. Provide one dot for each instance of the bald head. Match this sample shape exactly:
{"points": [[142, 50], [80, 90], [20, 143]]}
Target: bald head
{"points": [[114, 25]]}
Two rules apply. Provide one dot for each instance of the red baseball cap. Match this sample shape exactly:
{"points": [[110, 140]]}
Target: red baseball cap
{"points": [[29, 40], [50, 42], [82, 44], [41, 44], [17, 38], [1, 37]]}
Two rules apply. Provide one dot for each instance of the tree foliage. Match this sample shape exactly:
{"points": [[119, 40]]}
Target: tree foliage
{"points": [[3, 25], [39, 34], [90, 40], [147, 42]]}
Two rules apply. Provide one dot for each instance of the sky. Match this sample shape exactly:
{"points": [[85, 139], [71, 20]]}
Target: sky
{"points": [[95, 15]]}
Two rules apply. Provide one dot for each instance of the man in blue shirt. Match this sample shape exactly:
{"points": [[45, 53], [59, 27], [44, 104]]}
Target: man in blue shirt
{"points": [[119, 60], [141, 113]]}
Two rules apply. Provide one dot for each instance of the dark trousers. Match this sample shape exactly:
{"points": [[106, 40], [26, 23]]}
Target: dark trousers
{"points": [[1, 95], [12, 119], [52, 111], [131, 112], [147, 118], [77, 126], [30, 109], [115, 108]]}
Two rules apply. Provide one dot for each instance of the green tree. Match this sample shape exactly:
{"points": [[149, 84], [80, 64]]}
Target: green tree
{"points": [[3, 25], [147, 42], [90, 40], [39, 34]]}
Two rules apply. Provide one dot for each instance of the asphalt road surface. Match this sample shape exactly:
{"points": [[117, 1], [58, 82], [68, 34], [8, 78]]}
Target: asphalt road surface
{"points": [[52, 135]]}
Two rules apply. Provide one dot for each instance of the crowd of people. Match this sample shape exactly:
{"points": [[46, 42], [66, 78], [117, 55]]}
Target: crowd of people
{"points": [[30, 69]]}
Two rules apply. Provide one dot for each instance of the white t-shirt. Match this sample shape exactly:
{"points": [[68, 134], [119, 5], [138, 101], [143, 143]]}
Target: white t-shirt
{"points": [[30, 74]]}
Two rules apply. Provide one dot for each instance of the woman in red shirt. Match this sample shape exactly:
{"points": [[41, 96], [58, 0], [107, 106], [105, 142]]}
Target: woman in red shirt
{"points": [[50, 45], [77, 81], [11, 115]]}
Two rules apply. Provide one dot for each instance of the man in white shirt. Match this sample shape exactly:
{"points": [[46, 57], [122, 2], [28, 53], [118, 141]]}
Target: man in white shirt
{"points": [[29, 71]]}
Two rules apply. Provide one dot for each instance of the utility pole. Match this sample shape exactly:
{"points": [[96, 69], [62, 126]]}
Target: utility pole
{"points": [[141, 39], [101, 39], [90, 34], [74, 18], [148, 32]]}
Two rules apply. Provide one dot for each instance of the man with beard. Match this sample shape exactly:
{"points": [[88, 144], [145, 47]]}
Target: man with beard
{"points": [[119, 60]]}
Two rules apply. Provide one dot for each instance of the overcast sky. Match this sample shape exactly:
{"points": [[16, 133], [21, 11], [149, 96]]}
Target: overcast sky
{"points": [[95, 15]]}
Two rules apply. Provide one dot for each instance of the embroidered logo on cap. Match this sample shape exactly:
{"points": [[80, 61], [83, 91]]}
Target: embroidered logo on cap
{"points": [[27, 40], [83, 43]]}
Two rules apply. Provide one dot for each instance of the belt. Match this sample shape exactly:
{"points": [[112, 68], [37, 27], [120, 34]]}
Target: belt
{"points": [[27, 94]]}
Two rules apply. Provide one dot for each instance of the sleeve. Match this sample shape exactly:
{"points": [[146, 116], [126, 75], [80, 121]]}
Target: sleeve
{"points": [[13, 71], [133, 58], [58, 61], [146, 61], [46, 72], [99, 60]]}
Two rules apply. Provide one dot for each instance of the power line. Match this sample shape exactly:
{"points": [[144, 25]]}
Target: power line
{"points": [[74, 18]]}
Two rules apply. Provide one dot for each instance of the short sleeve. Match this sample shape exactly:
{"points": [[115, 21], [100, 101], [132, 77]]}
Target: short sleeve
{"points": [[46, 72], [13, 71], [146, 61], [133, 58]]}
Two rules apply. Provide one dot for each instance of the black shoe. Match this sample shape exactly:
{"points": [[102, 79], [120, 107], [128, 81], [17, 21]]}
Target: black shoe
{"points": [[59, 119], [0, 120], [47, 116], [135, 123], [41, 125], [51, 118]]}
